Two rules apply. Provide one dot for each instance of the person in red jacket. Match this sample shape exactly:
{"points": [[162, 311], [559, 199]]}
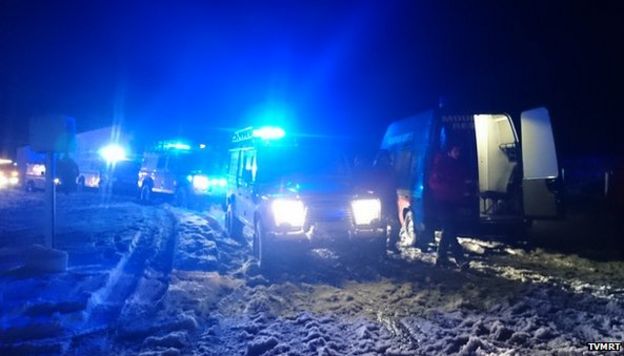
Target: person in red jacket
{"points": [[447, 184]]}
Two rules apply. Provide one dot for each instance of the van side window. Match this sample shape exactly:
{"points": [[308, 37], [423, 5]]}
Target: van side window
{"points": [[249, 167], [234, 165]]}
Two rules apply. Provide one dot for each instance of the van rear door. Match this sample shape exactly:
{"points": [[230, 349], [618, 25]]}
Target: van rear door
{"points": [[540, 167]]}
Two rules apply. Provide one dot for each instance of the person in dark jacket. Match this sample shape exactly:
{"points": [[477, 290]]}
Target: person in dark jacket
{"points": [[67, 172], [447, 184]]}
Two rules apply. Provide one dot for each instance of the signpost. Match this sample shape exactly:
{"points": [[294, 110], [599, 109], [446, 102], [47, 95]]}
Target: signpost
{"points": [[51, 134], [50, 200]]}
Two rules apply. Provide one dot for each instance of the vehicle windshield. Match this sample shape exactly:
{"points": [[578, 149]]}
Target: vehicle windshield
{"points": [[302, 161], [206, 162]]}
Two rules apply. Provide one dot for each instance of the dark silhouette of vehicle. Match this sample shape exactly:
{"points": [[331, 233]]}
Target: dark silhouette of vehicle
{"points": [[189, 175]]}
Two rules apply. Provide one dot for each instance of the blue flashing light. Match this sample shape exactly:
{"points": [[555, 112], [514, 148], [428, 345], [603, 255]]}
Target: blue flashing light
{"points": [[113, 153], [177, 146], [269, 133], [202, 182]]}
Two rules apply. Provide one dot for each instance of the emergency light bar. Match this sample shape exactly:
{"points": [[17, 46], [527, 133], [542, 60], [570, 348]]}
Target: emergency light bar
{"points": [[177, 146], [172, 145], [263, 133], [269, 133]]}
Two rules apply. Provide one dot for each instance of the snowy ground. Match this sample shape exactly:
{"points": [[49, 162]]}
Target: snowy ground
{"points": [[157, 280]]}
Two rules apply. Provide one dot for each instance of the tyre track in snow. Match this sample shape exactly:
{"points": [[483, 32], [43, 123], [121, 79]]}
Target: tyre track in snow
{"points": [[219, 303], [135, 286], [401, 307], [117, 252], [203, 263]]}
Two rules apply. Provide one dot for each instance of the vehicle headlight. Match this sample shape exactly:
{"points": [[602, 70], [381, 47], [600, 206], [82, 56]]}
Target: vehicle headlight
{"points": [[365, 211], [288, 212], [13, 180], [200, 182], [218, 182], [3, 179]]}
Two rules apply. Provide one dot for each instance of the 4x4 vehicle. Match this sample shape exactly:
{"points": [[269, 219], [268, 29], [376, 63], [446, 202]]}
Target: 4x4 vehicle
{"points": [[297, 193], [189, 175]]}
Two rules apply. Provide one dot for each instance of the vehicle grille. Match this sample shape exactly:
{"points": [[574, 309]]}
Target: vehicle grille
{"points": [[329, 212]]}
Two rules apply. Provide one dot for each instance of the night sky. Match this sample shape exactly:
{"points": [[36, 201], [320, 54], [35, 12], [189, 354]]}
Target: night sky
{"points": [[206, 67]]}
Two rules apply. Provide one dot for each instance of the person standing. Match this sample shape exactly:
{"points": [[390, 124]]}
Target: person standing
{"points": [[447, 183], [68, 173]]}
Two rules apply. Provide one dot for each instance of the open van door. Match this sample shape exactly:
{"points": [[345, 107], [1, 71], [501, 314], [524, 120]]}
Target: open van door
{"points": [[540, 167]]}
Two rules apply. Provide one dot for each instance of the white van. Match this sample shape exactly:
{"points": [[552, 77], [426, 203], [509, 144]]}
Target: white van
{"points": [[512, 164]]}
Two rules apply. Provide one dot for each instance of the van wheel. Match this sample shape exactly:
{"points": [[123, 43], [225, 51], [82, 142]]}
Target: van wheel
{"points": [[145, 195]]}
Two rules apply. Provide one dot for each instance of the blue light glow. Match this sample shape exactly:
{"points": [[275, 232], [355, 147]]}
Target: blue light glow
{"points": [[269, 133], [177, 146], [201, 182], [113, 153]]}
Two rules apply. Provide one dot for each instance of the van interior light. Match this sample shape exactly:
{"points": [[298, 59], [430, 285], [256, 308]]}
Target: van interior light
{"points": [[113, 153], [269, 133]]}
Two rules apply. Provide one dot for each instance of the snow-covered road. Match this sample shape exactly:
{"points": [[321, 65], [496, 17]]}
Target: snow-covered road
{"points": [[158, 280]]}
